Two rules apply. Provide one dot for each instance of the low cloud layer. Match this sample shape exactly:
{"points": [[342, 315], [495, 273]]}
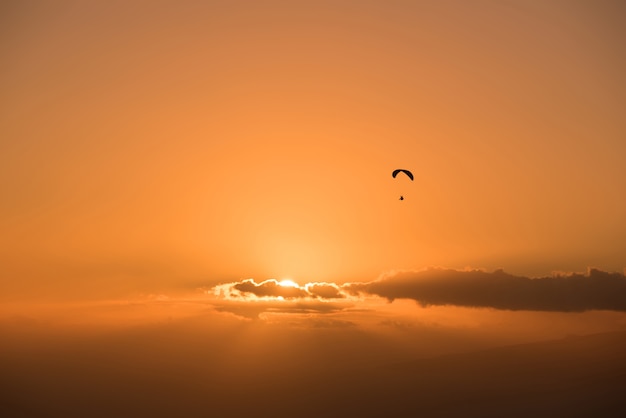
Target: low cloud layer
{"points": [[250, 299], [575, 292], [279, 290], [596, 290]]}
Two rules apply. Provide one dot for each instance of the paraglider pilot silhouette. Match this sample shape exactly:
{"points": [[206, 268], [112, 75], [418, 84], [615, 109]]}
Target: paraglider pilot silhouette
{"points": [[407, 172]]}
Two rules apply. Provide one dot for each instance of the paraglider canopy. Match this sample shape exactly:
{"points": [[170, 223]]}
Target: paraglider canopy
{"points": [[407, 172]]}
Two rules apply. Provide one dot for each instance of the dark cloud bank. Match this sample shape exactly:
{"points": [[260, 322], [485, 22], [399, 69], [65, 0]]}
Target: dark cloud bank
{"points": [[596, 290], [575, 292]]}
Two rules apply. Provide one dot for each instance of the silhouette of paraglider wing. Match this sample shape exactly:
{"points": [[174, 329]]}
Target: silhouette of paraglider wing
{"points": [[407, 172]]}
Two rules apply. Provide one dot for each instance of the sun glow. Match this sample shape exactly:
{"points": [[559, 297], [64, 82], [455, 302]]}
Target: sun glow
{"points": [[288, 283]]}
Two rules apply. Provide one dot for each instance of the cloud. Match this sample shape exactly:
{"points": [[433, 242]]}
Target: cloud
{"points": [[325, 290], [253, 310], [249, 299], [272, 289], [596, 290], [575, 292]]}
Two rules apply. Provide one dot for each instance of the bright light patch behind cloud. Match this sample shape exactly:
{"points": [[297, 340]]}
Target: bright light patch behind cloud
{"points": [[288, 283]]}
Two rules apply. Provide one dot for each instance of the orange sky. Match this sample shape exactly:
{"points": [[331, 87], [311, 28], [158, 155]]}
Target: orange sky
{"points": [[165, 166], [164, 145]]}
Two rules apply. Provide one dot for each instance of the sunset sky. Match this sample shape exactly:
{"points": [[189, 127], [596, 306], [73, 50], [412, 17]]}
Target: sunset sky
{"points": [[228, 163]]}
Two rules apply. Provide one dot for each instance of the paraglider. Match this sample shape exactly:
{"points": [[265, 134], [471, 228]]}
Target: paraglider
{"points": [[398, 171], [407, 172]]}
